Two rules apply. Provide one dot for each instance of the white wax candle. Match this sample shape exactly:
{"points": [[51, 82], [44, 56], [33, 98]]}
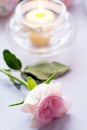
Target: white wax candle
{"points": [[37, 17]]}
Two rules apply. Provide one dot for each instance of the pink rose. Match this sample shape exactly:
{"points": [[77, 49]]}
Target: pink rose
{"points": [[50, 108], [68, 3], [45, 102]]}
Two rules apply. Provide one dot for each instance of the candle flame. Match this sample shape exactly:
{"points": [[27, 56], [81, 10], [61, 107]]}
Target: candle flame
{"points": [[40, 13], [40, 6]]}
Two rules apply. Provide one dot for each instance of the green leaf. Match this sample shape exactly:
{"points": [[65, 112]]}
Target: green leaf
{"points": [[26, 75], [43, 70], [31, 83], [16, 84], [16, 104], [11, 60], [8, 70]]}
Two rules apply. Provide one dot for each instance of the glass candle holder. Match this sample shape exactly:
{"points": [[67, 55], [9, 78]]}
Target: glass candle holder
{"points": [[45, 31]]}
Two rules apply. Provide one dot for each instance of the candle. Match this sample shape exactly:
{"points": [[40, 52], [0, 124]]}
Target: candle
{"points": [[39, 16], [41, 31]]}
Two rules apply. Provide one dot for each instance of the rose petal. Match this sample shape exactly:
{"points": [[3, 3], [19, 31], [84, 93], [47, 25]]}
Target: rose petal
{"points": [[25, 108], [36, 123], [55, 88], [66, 106], [35, 95], [28, 108]]}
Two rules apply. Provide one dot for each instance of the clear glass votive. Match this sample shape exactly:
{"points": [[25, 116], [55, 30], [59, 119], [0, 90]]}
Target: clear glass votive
{"points": [[41, 27]]}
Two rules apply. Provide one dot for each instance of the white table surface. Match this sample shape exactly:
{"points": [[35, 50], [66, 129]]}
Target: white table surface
{"points": [[74, 83]]}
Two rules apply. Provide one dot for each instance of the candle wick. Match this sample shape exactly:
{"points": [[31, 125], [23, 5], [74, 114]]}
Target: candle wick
{"points": [[40, 15]]}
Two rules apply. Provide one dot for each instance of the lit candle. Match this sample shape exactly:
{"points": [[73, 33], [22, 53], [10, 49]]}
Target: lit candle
{"points": [[39, 16]]}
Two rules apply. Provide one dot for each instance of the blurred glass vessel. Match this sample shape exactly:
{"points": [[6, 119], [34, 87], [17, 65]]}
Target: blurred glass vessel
{"points": [[48, 38]]}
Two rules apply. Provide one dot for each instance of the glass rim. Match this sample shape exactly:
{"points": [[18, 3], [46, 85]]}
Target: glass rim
{"points": [[21, 17]]}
